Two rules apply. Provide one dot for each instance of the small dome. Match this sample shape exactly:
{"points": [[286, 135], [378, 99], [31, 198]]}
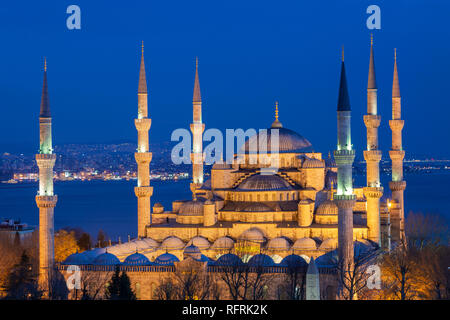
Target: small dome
{"points": [[200, 242], [252, 234], [223, 243], [172, 243], [191, 249], [191, 208], [293, 261], [312, 163], [265, 182], [228, 259], [304, 244], [106, 259], [327, 207], [158, 205], [136, 259], [329, 244], [261, 260], [278, 244], [166, 259], [257, 207], [76, 259]]}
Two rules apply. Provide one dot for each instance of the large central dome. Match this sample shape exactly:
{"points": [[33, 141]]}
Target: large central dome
{"points": [[288, 141]]}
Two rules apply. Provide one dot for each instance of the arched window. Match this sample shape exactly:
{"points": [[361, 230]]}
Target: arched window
{"points": [[137, 290]]}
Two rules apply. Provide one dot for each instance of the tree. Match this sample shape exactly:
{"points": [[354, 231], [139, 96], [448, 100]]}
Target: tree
{"points": [[417, 268], [65, 245], [189, 282], [119, 288], [353, 277], [84, 242], [101, 239], [21, 283]]}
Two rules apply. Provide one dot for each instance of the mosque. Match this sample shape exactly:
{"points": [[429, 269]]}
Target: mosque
{"points": [[306, 211]]}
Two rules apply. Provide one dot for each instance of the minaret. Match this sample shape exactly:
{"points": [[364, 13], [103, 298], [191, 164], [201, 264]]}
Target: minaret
{"points": [[397, 185], [197, 128], [373, 190], [143, 157], [344, 157], [46, 199]]}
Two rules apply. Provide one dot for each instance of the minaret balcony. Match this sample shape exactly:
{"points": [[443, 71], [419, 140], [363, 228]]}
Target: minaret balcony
{"points": [[143, 192], [397, 155], [396, 125], [344, 156], [372, 120], [143, 157], [397, 185], [143, 124], [373, 192], [45, 160], [46, 201], [372, 155]]}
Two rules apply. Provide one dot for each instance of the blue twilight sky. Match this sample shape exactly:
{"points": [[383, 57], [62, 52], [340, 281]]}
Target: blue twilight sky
{"points": [[251, 53]]}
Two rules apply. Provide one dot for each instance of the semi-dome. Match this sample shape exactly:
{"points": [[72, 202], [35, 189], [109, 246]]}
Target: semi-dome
{"points": [[264, 182], [223, 243], [293, 261], [329, 244], [304, 244], [288, 141], [136, 259], [280, 243], [310, 163], [261, 260], [106, 259], [253, 235], [200, 242], [191, 208], [172, 243], [327, 207], [166, 259], [257, 207]]}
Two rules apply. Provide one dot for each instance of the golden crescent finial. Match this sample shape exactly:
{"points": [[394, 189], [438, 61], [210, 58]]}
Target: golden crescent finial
{"points": [[142, 47], [45, 64], [276, 110], [196, 62], [395, 54], [371, 39], [342, 53]]}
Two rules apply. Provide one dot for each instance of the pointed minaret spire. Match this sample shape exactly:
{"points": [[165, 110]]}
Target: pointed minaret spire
{"points": [[46, 199], [343, 99], [142, 79], [197, 96], [143, 156], [395, 83], [373, 190], [197, 129], [45, 105], [372, 82]]}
